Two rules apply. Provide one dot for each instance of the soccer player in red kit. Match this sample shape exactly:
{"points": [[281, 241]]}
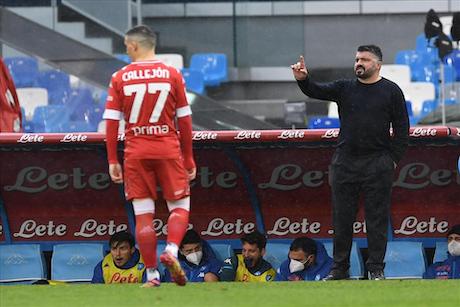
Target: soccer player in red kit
{"points": [[149, 95]]}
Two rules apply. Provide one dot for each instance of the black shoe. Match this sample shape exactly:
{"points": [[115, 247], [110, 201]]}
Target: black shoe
{"points": [[376, 275], [337, 275]]}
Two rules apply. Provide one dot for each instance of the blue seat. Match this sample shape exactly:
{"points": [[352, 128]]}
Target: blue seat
{"points": [[24, 70], [194, 80], [21, 263], [409, 108], [123, 57], [160, 249], [454, 60], [222, 251], [276, 253], [57, 83], [75, 262], [428, 106], [404, 260], [323, 123], [50, 118], [440, 251], [212, 65], [356, 259]]}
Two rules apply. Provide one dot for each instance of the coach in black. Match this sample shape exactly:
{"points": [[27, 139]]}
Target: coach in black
{"points": [[366, 154]]}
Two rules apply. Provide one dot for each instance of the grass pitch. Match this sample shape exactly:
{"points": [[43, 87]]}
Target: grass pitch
{"points": [[337, 293]]}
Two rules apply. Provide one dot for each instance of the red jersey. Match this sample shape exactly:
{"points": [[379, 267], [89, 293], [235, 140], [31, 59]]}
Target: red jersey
{"points": [[10, 110], [148, 95]]}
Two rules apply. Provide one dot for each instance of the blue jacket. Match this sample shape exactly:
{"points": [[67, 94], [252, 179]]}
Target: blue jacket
{"points": [[447, 269], [317, 271], [195, 273]]}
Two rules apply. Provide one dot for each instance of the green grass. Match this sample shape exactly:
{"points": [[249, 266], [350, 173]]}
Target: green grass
{"points": [[338, 293]]}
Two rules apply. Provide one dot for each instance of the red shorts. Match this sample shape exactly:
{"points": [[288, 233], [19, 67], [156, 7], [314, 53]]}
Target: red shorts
{"points": [[141, 178]]}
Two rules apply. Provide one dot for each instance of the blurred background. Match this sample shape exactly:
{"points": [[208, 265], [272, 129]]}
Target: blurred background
{"points": [[234, 55]]}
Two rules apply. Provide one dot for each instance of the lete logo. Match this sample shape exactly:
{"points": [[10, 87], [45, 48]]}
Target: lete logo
{"points": [[31, 138], [418, 132]]}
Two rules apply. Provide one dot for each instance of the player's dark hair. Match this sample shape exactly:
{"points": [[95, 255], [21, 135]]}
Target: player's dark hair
{"points": [[255, 237], [144, 35], [120, 237], [190, 237], [307, 245], [375, 50]]}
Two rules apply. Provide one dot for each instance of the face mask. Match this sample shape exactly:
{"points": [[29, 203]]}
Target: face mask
{"points": [[296, 266], [195, 257], [454, 248]]}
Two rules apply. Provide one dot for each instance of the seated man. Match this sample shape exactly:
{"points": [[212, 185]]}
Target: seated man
{"points": [[197, 259], [307, 260], [250, 265], [449, 268], [123, 264]]}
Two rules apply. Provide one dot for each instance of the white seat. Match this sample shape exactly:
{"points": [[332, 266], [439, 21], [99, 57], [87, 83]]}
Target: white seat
{"points": [[417, 93], [30, 98], [333, 110], [446, 22], [398, 73], [101, 126], [172, 59]]}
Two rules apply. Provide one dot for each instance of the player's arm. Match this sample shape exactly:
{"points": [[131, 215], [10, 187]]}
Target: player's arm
{"points": [[184, 122], [112, 116]]}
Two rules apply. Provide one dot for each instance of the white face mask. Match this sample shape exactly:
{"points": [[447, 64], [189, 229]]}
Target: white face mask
{"points": [[195, 257], [296, 266], [454, 248]]}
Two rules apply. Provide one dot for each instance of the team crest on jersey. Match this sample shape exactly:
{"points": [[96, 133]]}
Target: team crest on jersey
{"points": [[228, 261]]}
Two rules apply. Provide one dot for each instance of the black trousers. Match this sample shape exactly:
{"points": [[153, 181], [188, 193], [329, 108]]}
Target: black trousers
{"points": [[352, 176]]}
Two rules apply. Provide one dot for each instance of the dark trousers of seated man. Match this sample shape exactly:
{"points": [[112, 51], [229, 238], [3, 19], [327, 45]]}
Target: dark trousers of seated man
{"points": [[352, 176]]}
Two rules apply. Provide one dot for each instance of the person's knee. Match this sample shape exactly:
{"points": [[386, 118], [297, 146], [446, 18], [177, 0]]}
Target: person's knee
{"points": [[183, 203], [143, 206]]}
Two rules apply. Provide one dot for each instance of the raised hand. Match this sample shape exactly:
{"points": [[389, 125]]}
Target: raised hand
{"points": [[299, 69]]}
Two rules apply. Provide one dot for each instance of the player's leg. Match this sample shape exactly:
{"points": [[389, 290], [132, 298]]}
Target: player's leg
{"points": [[176, 190], [138, 190]]}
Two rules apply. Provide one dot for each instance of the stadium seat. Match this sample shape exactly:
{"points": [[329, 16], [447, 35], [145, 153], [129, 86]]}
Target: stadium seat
{"points": [[440, 251], [428, 107], [417, 93], [50, 118], [404, 260], [24, 70], [276, 253], [30, 98], [160, 248], [212, 65], [333, 110], [194, 80], [454, 59], [356, 260], [409, 108], [21, 263], [398, 73], [57, 83], [452, 91], [222, 251], [172, 59], [323, 122], [123, 57], [75, 262]]}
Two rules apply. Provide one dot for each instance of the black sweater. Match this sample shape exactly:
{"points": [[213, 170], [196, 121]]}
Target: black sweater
{"points": [[366, 111]]}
